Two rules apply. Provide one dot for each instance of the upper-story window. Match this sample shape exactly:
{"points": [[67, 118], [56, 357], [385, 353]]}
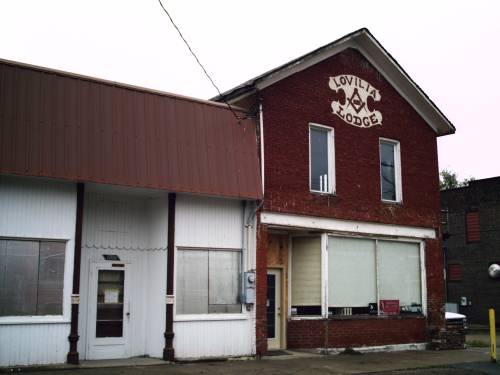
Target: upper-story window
{"points": [[390, 170], [321, 159]]}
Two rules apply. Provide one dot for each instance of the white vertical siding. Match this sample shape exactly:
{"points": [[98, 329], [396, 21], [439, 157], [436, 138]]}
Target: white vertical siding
{"points": [[119, 221], [213, 222], [208, 222], [29, 344], [156, 303], [134, 227], [42, 209], [204, 339]]}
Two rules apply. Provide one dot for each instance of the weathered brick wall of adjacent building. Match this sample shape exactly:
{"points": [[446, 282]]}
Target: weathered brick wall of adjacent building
{"points": [[474, 258]]}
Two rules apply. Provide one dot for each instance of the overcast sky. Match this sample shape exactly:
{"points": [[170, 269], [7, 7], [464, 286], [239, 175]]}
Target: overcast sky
{"points": [[450, 48]]}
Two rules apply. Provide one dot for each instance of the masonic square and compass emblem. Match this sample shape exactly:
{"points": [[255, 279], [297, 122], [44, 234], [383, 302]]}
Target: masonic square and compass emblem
{"points": [[355, 110]]}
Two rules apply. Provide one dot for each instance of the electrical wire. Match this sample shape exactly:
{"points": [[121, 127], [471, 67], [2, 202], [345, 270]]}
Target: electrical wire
{"points": [[239, 118]]}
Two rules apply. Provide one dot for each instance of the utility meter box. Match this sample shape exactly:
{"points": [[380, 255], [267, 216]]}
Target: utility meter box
{"points": [[248, 287]]}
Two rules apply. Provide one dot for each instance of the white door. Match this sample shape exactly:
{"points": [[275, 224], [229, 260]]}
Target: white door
{"points": [[108, 311], [274, 309]]}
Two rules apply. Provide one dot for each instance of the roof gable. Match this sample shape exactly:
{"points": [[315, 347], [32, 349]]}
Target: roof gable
{"points": [[375, 53]]}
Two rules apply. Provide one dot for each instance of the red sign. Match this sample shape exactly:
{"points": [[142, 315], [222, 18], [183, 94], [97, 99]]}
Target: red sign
{"points": [[389, 306]]}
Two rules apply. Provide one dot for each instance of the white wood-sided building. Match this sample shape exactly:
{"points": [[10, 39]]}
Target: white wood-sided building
{"points": [[128, 220]]}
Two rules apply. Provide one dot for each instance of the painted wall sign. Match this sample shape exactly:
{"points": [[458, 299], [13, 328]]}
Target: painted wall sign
{"points": [[355, 110]]}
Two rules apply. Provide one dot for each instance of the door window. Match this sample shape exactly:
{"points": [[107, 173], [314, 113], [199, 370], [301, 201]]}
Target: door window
{"points": [[271, 306], [110, 289]]}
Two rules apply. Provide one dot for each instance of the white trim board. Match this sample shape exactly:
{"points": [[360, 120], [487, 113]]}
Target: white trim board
{"points": [[349, 226]]}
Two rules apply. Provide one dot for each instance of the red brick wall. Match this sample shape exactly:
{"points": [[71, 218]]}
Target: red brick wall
{"points": [[261, 291], [354, 332], [291, 104]]}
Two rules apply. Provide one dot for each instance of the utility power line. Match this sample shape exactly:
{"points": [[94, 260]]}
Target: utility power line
{"points": [[200, 64]]}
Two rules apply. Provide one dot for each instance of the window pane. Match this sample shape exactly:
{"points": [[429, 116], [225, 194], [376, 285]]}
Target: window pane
{"points": [[271, 306], [351, 273], [192, 282], [399, 273], [51, 278], [224, 271], [306, 274], [110, 291], [18, 277], [319, 160], [387, 171]]}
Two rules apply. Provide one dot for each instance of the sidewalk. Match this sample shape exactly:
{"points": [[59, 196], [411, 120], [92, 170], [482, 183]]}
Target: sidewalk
{"points": [[294, 363]]}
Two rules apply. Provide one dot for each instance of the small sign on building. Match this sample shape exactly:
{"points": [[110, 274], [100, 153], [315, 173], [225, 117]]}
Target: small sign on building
{"points": [[389, 307]]}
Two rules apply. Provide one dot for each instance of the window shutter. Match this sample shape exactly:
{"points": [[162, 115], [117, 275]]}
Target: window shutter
{"points": [[351, 272], [454, 272], [472, 226], [306, 271]]}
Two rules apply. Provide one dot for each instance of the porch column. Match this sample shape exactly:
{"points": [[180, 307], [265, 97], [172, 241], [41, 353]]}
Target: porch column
{"points": [[168, 351], [73, 356]]}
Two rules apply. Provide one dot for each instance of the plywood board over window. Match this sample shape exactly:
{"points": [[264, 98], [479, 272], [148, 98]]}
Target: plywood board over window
{"points": [[277, 257]]}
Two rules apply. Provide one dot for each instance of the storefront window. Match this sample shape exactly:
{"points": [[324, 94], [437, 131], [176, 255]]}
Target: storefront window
{"points": [[208, 281], [31, 277]]}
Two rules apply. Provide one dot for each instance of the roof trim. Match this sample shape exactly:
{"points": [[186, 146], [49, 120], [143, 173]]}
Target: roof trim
{"points": [[376, 54], [117, 84]]}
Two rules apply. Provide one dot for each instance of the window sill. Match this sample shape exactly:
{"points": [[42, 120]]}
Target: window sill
{"points": [[377, 317], [395, 203], [210, 317], [46, 319], [323, 193], [306, 317], [361, 317]]}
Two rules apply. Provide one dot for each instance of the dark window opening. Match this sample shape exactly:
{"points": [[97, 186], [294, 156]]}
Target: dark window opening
{"points": [[306, 310], [388, 171]]}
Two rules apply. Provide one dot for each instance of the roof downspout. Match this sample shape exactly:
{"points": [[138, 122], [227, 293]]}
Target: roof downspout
{"points": [[261, 142]]}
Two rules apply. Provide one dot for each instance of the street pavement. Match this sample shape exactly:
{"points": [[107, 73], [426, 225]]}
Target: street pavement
{"points": [[452, 362]]}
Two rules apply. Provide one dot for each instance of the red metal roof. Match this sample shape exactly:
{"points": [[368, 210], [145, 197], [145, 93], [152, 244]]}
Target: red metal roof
{"points": [[61, 125]]}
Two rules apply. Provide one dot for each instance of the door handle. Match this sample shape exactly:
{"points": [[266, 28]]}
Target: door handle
{"points": [[128, 315]]}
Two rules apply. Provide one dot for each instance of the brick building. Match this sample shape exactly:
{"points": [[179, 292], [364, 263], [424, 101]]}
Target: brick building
{"points": [[472, 244], [348, 246]]}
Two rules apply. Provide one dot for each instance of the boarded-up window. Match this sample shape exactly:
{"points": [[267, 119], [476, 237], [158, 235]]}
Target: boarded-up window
{"points": [[472, 226], [454, 272], [31, 277], [306, 275]]}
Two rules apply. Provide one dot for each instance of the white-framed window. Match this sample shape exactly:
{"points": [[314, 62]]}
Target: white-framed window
{"points": [[342, 275], [390, 171], [31, 277], [207, 281], [321, 159], [363, 273]]}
